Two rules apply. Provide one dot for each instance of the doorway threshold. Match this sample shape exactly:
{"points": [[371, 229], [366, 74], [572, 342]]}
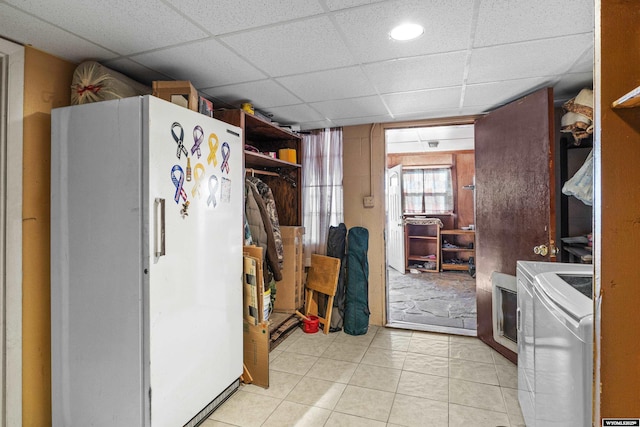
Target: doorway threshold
{"points": [[432, 328]]}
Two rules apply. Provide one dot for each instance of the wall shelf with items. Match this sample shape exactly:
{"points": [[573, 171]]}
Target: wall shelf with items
{"points": [[575, 217], [283, 176], [457, 247], [256, 160], [422, 244]]}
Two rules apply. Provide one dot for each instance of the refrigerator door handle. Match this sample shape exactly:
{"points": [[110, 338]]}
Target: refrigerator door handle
{"points": [[159, 228]]}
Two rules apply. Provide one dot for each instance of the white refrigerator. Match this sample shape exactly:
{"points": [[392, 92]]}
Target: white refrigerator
{"points": [[146, 263]]}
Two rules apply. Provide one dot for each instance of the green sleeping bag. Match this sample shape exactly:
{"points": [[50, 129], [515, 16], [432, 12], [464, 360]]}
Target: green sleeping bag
{"points": [[356, 310]]}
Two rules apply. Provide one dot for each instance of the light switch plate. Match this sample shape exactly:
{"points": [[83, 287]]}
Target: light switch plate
{"points": [[368, 201]]}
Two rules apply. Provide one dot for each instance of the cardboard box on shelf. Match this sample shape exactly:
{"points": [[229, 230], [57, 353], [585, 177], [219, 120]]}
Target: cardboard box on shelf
{"points": [[178, 92], [290, 290]]}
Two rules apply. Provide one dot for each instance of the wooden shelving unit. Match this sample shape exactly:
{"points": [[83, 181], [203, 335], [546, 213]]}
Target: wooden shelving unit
{"points": [[422, 244], [283, 177], [461, 239]]}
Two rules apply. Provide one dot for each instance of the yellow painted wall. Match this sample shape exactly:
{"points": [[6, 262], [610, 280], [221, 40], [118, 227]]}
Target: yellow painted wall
{"points": [[357, 185], [47, 85]]}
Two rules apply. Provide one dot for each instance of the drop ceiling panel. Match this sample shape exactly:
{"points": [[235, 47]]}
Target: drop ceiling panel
{"points": [[283, 55], [25, 29], [331, 84], [345, 4], [352, 107], [442, 133], [506, 21], [529, 59], [115, 24], [435, 114], [224, 16], [293, 48], [262, 94], [424, 72], [449, 138], [367, 28], [317, 125], [477, 110], [363, 120], [570, 84], [420, 147], [585, 63], [423, 101], [501, 92], [134, 70], [205, 63], [295, 114], [401, 135]]}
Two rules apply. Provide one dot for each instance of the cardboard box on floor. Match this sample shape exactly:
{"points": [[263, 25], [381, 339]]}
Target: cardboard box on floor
{"points": [[255, 331], [290, 290], [256, 352], [254, 293], [250, 290]]}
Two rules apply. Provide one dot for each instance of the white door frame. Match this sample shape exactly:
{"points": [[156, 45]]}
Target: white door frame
{"points": [[11, 144]]}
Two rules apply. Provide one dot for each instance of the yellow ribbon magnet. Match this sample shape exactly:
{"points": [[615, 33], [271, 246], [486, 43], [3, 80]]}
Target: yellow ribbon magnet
{"points": [[213, 148], [198, 176]]}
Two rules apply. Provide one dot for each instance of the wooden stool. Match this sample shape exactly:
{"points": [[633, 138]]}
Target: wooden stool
{"points": [[322, 279]]}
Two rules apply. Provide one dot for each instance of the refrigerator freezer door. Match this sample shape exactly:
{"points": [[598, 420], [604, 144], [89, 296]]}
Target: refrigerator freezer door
{"points": [[195, 292], [142, 336]]}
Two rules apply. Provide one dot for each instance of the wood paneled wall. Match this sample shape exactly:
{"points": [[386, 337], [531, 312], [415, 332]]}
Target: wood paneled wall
{"points": [[617, 220]]}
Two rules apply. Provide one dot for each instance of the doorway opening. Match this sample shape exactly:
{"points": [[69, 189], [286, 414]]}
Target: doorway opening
{"points": [[430, 239]]}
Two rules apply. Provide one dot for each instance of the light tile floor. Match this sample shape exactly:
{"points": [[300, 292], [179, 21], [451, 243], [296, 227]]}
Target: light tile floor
{"points": [[388, 377]]}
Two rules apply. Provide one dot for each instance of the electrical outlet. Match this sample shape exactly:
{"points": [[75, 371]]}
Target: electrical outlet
{"points": [[368, 201]]}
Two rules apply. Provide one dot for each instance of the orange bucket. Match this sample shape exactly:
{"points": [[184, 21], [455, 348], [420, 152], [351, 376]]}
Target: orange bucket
{"points": [[310, 326]]}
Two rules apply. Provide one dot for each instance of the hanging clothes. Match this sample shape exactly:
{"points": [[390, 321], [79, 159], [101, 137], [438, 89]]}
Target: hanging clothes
{"points": [[266, 240], [581, 183], [270, 205]]}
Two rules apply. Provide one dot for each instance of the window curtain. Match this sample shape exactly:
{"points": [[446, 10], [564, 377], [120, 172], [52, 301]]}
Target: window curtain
{"points": [[322, 200], [427, 191]]}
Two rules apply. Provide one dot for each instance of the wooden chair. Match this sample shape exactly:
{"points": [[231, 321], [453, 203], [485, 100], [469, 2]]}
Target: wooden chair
{"points": [[322, 279]]}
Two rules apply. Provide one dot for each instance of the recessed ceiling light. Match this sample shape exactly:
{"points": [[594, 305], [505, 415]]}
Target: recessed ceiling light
{"points": [[406, 32]]}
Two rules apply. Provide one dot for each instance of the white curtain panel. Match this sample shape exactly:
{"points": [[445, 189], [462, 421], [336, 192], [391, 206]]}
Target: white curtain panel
{"points": [[322, 200], [427, 191]]}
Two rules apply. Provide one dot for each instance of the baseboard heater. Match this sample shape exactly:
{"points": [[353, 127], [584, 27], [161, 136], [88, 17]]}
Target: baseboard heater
{"points": [[213, 405]]}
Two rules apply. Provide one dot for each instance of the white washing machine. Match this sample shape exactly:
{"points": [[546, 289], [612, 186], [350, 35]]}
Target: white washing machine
{"points": [[555, 315]]}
